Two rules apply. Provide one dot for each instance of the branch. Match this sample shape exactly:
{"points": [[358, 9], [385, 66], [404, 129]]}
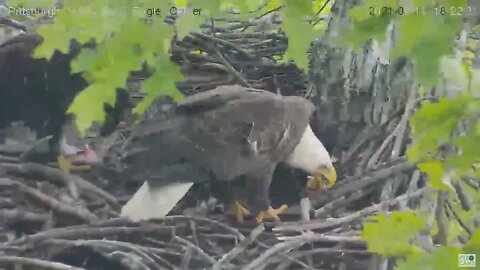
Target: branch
{"points": [[266, 257], [232, 70], [339, 202], [354, 184], [459, 220], [238, 249], [59, 177], [462, 196], [200, 251], [315, 237], [88, 232], [54, 204], [16, 215], [440, 217], [37, 263], [334, 222]]}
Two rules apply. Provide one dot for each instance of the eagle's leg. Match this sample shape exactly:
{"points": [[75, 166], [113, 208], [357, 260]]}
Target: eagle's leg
{"points": [[259, 197], [65, 164], [271, 213], [239, 211]]}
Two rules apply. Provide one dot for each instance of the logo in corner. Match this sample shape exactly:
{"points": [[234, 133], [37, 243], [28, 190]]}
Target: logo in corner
{"points": [[466, 260]]}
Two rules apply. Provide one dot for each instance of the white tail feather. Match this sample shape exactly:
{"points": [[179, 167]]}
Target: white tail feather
{"points": [[154, 202]]}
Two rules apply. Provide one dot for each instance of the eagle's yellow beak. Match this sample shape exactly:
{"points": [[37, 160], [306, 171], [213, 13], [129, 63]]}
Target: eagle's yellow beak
{"points": [[317, 182], [331, 176]]}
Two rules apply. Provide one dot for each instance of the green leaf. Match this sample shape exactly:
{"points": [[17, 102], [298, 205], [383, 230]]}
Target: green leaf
{"points": [[473, 245], [211, 7], [398, 230], [188, 23], [415, 261], [31, 3], [454, 72], [435, 171], [55, 37], [273, 4], [433, 124], [442, 258], [434, 45], [85, 61], [296, 27], [88, 106], [162, 82], [360, 13], [445, 258], [374, 27], [318, 4], [408, 39]]}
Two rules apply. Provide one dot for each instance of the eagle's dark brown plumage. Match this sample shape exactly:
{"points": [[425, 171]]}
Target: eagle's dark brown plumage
{"points": [[224, 134]]}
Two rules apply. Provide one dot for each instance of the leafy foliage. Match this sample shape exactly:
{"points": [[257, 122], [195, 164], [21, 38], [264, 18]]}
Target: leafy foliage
{"points": [[398, 230], [127, 34], [446, 145], [297, 28], [425, 45]]}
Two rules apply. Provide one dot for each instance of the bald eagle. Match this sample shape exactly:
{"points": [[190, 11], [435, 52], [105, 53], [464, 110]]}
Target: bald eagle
{"points": [[225, 134]]}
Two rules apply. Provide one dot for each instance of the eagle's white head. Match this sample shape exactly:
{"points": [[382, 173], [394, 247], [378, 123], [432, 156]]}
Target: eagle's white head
{"points": [[311, 156]]}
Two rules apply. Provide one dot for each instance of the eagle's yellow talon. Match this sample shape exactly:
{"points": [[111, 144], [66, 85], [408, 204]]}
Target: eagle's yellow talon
{"points": [[65, 164], [239, 211], [271, 213], [81, 168]]}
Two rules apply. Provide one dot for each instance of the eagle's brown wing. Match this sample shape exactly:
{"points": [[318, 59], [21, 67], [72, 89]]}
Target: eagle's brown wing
{"points": [[228, 132]]}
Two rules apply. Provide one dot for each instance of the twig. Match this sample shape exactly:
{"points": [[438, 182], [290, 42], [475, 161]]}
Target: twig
{"points": [[128, 249], [200, 251], [472, 183], [57, 176], [72, 233], [232, 70], [266, 257], [459, 220], [8, 159], [387, 191], [17, 215], [315, 237], [223, 42], [320, 11], [315, 251], [442, 234], [337, 203], [357, 183], [238, 249], [285, 256], [33, 146], [376, 156], [232, 230], [268, 12], [462, 196], [312, 225], [37, 263], [54, 204]]}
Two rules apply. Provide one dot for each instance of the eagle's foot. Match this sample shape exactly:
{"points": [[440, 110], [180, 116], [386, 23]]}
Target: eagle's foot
{"points": [[65, 164], [239, 211], [271, 213]]}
